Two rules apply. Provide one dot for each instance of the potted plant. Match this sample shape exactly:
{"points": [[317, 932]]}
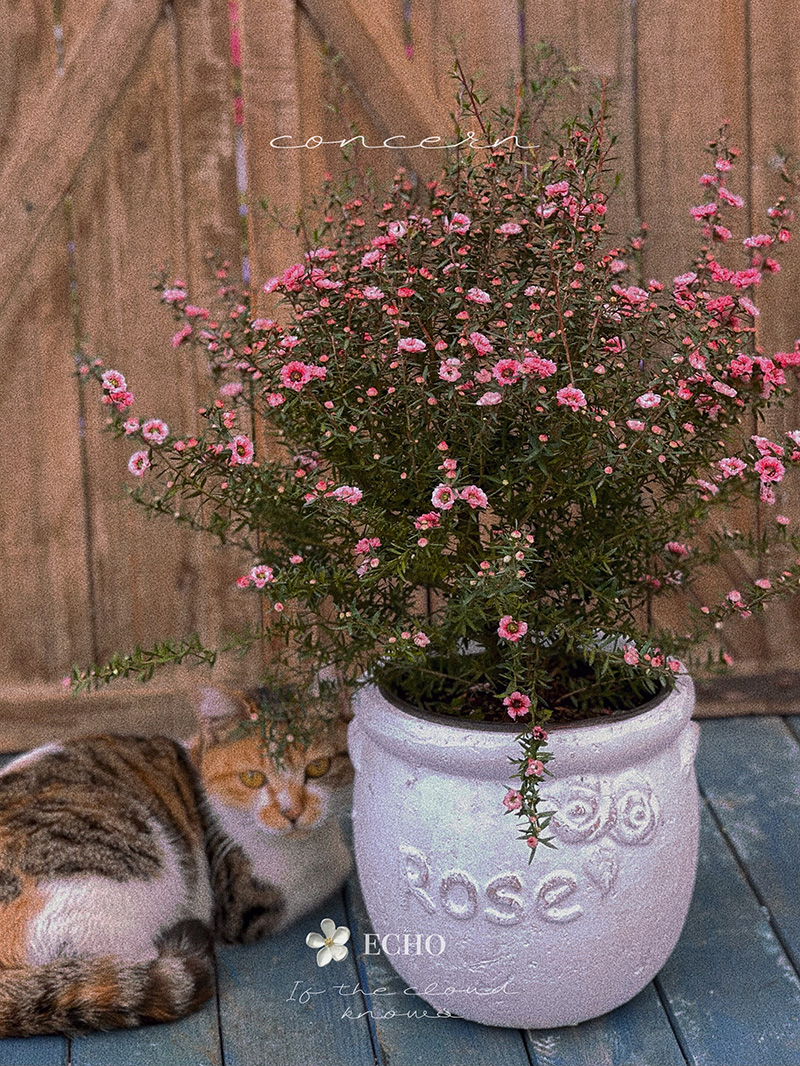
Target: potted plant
{"points": [[467, 453]]}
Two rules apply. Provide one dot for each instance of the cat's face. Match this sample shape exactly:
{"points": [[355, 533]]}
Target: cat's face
{"points": [[290, 799]]}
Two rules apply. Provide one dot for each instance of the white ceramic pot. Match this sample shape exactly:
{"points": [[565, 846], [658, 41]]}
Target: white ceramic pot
{"points": [[464, 919]]}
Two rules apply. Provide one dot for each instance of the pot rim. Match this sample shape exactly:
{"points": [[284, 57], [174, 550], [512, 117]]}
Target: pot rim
{"points": [[483, 749], [515, 727]]}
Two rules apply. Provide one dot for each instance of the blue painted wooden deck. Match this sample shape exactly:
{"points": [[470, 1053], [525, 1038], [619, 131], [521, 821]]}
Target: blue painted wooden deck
{"points": [[729, 996]]}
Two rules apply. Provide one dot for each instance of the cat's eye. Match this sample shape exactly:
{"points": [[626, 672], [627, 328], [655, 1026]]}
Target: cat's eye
{"points": [[318, 767], [252, 778]]}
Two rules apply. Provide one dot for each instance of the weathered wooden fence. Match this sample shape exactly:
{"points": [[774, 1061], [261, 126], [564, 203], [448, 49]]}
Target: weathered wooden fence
{"points": [[124, 146]]}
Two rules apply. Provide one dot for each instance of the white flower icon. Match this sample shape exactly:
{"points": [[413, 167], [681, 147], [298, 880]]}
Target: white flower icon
{"points": [[332, 944]]}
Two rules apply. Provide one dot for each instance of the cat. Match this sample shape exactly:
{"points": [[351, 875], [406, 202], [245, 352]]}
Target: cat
{"points": [[123, 858]]}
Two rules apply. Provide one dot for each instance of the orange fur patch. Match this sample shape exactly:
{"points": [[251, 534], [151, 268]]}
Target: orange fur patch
{"points": [[14, 918], [222, 765]]}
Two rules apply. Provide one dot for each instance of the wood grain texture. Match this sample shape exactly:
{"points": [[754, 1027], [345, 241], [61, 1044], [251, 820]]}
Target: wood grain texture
{"points": [[128, 213], [259, 982], [271, 109], [599, 40], [730, 990], [32, 714], [44, 606], [192, 1040], [44, 603], [60, 123], [211, 227], [638, 1032], [750, 774]]}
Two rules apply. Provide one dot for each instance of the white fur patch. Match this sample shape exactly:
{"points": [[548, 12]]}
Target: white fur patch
{"points": [[31, 756], [307, 865], [97, 916]]}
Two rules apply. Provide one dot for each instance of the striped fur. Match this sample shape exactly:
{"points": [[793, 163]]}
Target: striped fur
{"points": [[122, 858]]}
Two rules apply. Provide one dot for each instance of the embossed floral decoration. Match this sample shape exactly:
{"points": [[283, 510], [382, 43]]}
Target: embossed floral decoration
{"points": [[467, 436]]}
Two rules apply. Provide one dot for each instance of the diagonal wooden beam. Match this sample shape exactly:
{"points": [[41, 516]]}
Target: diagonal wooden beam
{"points": [[61, 124], [373, 53]]}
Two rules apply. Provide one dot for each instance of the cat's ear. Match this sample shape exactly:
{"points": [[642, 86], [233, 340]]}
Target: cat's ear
{"points": [[217, 709]]}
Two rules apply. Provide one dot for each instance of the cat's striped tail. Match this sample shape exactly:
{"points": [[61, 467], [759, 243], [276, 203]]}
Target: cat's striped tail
{"points": [[72, 995]]}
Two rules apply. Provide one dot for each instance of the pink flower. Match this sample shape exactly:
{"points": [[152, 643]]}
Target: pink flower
{"points": [[536, 365], [121, 398], [506, 371], [474, 496], [509, 229], [421, 640], [430, 520], [295, 375], [676, 548], [138, 463], [518, 704], [243, 582], [512, 801], [478, 296], [571, 397], [130, 425], [113, 380], [532, 842], [535, 768], [411, 344], [731, 467], [730, 197], [179, 337], [489, 399], [614, 345], [448, 370], [443, 497], [539, 734], [648, 399], [242, 451], [347, 494], [558, 188], [232, 388], [743, 279], [510, 629], [260, 575], [631, 655], [459, 223], [481, 344], [770, 468], [155, 431], [372, 292], [275, 399], [763, 583], [635, 425]]}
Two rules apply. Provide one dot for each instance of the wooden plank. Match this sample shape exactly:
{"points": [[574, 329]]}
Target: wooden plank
{"points": [[211, 225], [486, 38], [192, 1040], [773, 94], [732, 994], [638, 1032], [407, 1038], [44, 608], [32, 714], [34, 1051], [278, 1006], [366, 34], [749, 770], [271, 109], [599, 39], [128, 214], [61, 124]]}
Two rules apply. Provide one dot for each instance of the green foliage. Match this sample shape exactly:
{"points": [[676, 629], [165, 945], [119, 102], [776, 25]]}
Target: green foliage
{"points": [[481, 434]]}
